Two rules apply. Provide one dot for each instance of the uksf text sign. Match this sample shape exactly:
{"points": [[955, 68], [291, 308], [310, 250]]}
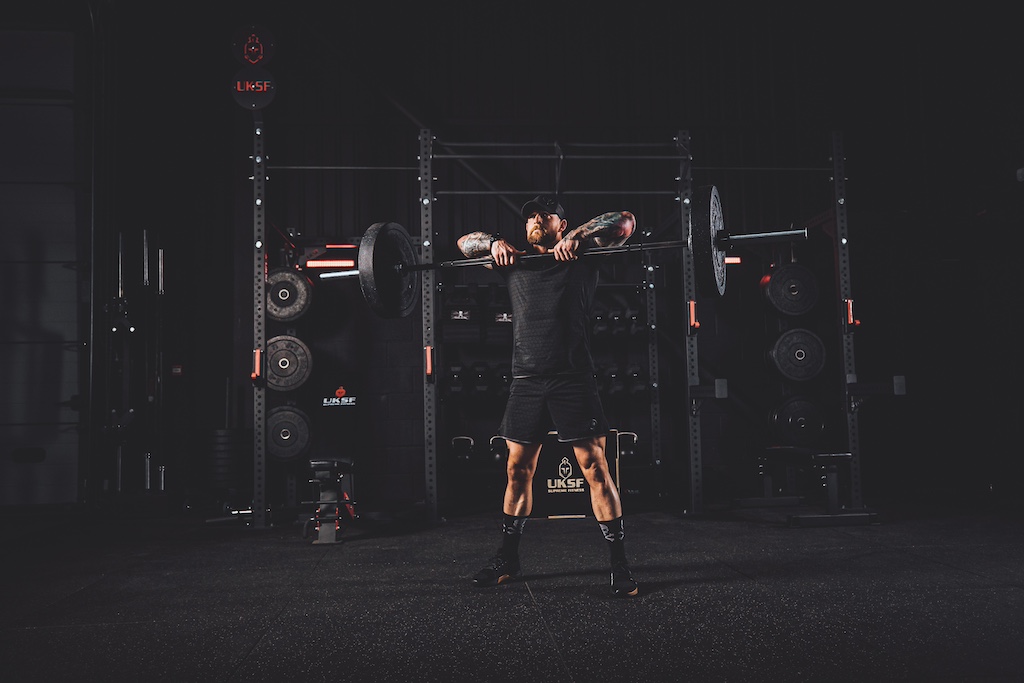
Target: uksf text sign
{"points": [[253, 87]]}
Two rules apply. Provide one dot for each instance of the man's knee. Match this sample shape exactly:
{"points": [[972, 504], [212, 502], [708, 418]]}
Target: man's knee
{"points": [[521, 463], [591, 458], [519, 471], [597, 476]]}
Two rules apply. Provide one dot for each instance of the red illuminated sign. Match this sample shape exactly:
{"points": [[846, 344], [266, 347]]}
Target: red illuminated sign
{"points": [[253, 45], [244, 86], [253, 87], [252, 51]]}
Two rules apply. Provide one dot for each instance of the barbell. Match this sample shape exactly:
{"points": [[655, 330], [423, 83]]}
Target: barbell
{"points": [[388, 266]]}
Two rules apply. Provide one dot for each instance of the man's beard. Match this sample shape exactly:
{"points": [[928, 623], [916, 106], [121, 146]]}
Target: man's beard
{"points": [[541, 238]]}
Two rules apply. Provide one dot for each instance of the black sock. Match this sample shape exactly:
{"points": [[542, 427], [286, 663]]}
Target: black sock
{"points": [[615, 535], [511, 533]]}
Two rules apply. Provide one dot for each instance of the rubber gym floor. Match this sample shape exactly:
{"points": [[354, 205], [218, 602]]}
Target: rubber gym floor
{"points": [[736, 595]]}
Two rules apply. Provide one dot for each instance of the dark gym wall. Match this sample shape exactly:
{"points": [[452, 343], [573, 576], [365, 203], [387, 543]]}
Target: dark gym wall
{"points": [[41, 338], [932, 134]]}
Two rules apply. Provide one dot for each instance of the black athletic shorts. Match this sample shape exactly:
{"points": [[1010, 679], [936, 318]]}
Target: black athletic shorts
{"points": [[568, 403]]}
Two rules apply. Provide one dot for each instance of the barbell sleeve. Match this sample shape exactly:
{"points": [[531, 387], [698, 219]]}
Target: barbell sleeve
{"points": [[764, 237]]}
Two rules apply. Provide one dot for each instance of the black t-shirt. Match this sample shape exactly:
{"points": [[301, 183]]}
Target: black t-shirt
{"points": [[551, 303]]}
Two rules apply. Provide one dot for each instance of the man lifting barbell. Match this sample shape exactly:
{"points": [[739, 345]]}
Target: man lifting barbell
{"points": [[551, 290], [553, 372]]}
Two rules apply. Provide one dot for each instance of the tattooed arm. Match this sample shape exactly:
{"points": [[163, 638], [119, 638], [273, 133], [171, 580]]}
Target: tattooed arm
{"points": [[477, 244], [607, 230]]}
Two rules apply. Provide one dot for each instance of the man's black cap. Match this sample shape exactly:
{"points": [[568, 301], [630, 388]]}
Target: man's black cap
{"points": [[544, 203]]}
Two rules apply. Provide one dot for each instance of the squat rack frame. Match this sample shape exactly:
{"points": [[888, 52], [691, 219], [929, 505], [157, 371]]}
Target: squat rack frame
{"points": [[680, 153], [695, 392]]}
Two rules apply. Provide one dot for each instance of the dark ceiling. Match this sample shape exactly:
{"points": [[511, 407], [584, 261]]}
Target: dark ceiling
{"points": [[927, 102]]}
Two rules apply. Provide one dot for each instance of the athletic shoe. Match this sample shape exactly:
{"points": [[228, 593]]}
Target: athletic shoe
{"points": [[622, 583], [498, 570]]}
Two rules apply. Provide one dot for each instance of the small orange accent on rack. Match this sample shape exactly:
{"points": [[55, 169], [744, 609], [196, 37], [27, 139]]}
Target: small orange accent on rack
{"points": [[256, 364]]}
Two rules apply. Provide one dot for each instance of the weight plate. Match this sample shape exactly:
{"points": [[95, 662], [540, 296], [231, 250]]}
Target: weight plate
{"points": [[289, 363], [798, 355], [289, 294], [706, 230], [288, 433], [792, 289], [390, 291], [797, 421]]}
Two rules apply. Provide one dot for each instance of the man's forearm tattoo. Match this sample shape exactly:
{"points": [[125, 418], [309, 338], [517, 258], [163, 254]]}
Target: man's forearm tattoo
{"points": [[476, 244], [607, 230]]}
